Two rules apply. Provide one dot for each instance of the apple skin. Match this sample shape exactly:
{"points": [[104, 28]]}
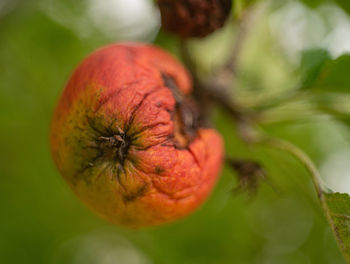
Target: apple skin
{"points": [[114, 142]]}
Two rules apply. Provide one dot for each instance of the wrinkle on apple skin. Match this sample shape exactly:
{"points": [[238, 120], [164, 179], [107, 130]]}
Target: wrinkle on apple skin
{"points": [[114, 89]]}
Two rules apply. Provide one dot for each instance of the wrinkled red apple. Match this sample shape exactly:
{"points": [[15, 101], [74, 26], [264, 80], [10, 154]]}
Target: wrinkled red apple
{"points": [[125, 137]]}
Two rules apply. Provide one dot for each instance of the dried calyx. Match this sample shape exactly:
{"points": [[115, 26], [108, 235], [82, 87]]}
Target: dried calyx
{"points": [[116, 146]]}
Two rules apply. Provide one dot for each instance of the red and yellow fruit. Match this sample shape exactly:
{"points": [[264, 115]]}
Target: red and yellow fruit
{"points": [[126, 137]]}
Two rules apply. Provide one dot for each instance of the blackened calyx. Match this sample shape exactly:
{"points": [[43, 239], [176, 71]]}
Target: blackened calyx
{"points": [[118, 145]]}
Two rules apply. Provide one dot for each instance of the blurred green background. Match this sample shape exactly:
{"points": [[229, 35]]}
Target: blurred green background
{"points": [[41, 221]]}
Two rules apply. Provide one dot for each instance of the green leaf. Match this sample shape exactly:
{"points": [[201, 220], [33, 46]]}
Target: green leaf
{"points": [[337, 207], [312, 62], [333, 77], [313, 3], [345, 4]]}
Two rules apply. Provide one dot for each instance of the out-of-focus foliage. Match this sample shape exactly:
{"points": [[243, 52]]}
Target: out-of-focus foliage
{"points": [[43, 222], [323, 73], [334, 75], [312, 62], [338, 207], [239, 6], [344, 4]]}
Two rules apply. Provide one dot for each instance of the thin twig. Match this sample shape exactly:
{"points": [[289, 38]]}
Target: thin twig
{"points": [[245, 22], [216, 90], [301, 156], [225, 74], [207, 93]]}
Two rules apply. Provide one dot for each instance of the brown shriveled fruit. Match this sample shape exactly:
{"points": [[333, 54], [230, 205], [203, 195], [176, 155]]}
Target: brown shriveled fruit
{"points": [[193, 18]]}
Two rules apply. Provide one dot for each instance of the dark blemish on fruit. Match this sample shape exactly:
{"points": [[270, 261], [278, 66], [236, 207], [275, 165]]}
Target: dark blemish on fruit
{"points": [[158, 170], [171, 84], [133, 196], [185, 116]]}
